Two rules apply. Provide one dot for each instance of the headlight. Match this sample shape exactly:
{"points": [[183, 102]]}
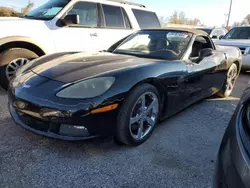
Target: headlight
{"points": [[88, 88], [247, 51]]}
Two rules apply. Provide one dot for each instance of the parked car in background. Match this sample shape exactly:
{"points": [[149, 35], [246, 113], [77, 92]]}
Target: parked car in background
{"points": [[144, 78], [239, 37], [68, 25], [233, 163], [215, 33]]}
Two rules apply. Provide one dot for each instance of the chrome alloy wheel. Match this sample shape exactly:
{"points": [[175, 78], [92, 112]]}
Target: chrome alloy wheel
{"points": [[144, 115], [231, 78], [13, 66]]}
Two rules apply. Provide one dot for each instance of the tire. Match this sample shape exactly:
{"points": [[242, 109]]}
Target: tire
{"points": [[232, 75], [117, 142], [20, 55], [128, 133]]}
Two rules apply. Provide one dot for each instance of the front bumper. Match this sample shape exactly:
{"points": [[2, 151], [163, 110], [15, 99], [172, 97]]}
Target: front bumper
{"points": [[46, 128], [76, 127], [233, 163]]}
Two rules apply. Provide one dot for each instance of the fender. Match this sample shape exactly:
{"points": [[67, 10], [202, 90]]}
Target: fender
{"points": [[6, 40]]}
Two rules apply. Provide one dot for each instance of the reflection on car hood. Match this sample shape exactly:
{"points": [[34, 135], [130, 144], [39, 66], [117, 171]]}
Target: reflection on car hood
{"points": [[231, 42], [73, 67]]}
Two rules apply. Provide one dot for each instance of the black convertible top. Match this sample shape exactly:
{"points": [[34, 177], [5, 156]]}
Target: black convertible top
{"points": [[193, 31]]}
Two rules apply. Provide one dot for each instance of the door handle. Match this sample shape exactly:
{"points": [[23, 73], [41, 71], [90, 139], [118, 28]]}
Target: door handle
{"points": [[93, 34]]}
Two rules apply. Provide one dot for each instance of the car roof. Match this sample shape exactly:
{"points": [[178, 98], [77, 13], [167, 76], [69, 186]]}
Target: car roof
{"points": [[209, 27], [193, 31], [247, 26]]}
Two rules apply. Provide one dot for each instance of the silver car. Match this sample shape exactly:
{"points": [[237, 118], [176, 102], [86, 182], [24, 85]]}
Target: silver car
{"points": [[239, 37]]}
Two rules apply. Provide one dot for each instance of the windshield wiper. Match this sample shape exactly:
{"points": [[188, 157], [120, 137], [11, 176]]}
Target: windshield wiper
{"points": [[36, 17]]}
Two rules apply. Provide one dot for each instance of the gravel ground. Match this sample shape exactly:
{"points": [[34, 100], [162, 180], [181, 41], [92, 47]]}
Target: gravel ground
{"points": [[180, 153]]}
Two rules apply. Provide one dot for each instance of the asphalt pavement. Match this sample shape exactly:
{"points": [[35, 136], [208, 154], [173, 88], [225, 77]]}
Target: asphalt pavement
{"points": [[181, 152]]}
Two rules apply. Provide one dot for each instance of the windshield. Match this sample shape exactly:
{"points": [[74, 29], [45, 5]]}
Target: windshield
{"points": [[47, 11], [238, 33], [208, 31], [169, 45]]}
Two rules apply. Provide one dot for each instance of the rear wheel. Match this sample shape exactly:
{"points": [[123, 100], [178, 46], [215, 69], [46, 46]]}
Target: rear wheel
{"points": [[138, 115], [230, 82], [10, 61]]}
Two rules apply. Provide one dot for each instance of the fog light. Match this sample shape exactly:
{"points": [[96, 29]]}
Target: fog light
{"points": [[74, 130], [79, 127]]}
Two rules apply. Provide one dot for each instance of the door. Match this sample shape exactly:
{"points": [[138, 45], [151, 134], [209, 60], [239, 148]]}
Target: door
{"points": [[115, 25], [204, 76], [83, 36]]}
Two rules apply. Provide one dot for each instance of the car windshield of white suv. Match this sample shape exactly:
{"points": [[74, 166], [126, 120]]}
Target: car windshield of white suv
{"points": [[47, 11], [238, 33], [168, 45]]}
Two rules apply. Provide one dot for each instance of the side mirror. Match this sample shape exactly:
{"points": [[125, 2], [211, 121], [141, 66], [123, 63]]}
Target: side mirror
{"points": [[247, 51], [71, 19], [214, 37], [220, 37], [205, 53]]}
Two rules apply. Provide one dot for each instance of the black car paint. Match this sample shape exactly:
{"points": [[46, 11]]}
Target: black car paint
{"points": [[181, 83], [233, 162]]}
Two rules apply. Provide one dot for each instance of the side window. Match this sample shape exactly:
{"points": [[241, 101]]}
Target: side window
{"points": [[87, 12], [201, 42], [113, 16], [146, 19], [126, 19]]}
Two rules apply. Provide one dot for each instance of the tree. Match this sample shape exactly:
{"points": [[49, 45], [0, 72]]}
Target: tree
{"points": [[236, 24], [26, 9], [180, 18], [163, 21], [248, 18], [4, 11], [177, 18], [246, 21], [9, 12]]}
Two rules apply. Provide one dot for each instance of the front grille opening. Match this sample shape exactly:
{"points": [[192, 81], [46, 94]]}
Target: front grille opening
{"points": [[34, 123]]}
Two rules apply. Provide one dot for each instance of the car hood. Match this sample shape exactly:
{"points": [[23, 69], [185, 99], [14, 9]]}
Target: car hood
{"points": [[231, 42], [9, 18], [21, 27], [17, 20], [70, 68]]}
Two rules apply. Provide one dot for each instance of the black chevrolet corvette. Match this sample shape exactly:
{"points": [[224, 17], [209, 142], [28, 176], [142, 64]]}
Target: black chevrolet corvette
{"points": [[233, 163], [124, 91]]}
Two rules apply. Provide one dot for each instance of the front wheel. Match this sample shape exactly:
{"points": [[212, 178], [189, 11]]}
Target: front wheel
{"points": [[10, 61], [230, 82], [138, 115]]}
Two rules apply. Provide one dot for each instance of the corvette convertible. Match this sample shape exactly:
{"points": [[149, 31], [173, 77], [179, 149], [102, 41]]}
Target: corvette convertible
{"points": [[124, 91]]}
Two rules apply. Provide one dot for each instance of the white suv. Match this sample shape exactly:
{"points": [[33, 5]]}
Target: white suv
{"points": [[68, 25], [239, 37]]}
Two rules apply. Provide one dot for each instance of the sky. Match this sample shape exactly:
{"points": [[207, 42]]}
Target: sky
{"points": [[210, 12]]}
